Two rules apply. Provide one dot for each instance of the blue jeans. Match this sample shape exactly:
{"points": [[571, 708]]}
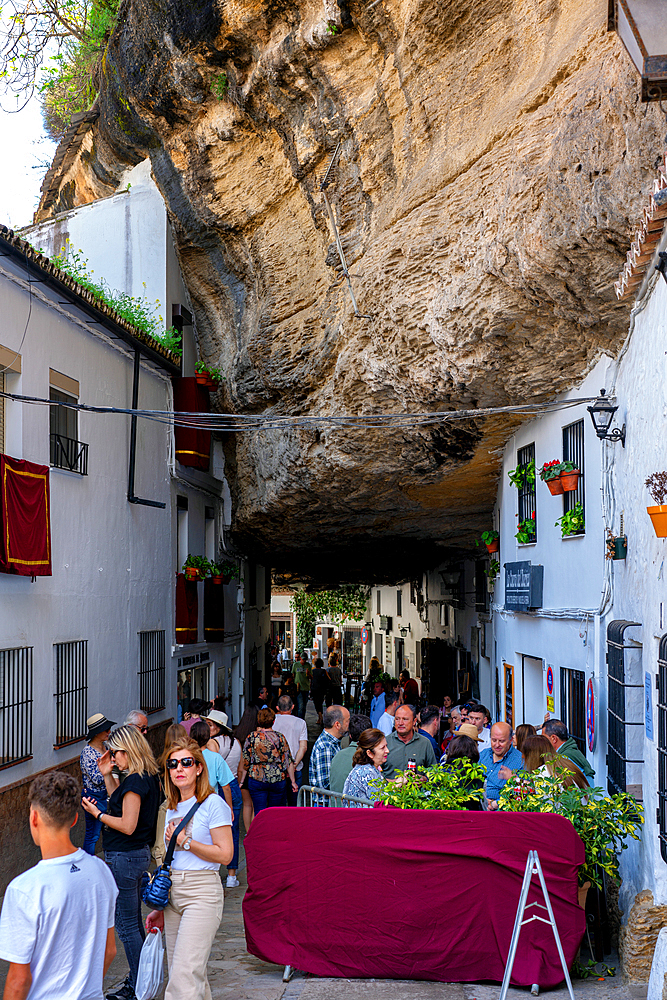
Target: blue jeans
{"points": [[266, 793], [127, 867], [93, 826], [292, 796], [302, 704], [237, 806]]}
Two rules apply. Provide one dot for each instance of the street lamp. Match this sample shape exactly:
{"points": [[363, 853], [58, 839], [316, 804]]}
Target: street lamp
{"points": [[602, 414], [404, 629], [642, 27]]}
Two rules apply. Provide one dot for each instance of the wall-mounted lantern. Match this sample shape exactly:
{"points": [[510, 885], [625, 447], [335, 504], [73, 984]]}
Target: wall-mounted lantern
{"points": [[602, 413], [642, 27]]}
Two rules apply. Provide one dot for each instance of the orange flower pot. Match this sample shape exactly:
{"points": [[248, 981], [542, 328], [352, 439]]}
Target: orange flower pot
{"points": [[493, 546], [191, 573], [569, 480], [555, 487], [203, 378], [659, 517], [217, 579]]}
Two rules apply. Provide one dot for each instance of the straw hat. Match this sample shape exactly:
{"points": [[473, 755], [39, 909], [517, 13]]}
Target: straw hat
{"points": [[467, 729], [218, 717], [97, 724]]}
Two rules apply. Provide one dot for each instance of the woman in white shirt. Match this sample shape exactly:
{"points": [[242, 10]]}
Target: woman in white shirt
{"points": [[194, 912]]}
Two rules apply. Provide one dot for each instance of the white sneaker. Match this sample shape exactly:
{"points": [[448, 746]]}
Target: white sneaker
{"points": [[232, 882]]}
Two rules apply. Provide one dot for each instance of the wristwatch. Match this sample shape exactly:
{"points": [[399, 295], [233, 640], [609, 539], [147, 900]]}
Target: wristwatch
{"points": [[186, 843]]}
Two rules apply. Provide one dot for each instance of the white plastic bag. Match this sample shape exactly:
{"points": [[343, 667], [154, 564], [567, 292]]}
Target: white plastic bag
{"points": [[151, 965]]}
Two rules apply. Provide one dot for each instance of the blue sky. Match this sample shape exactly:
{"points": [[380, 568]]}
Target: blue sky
{"points": [[24, 146]]}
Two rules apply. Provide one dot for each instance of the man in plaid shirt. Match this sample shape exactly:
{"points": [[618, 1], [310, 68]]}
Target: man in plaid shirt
{"points": [[327, 745]]}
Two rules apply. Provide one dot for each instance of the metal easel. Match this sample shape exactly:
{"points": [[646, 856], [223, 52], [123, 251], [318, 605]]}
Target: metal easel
{"points": [[533, 867]]}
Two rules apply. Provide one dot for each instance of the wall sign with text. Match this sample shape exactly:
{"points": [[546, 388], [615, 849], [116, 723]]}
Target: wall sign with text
{"points": [[523, 586]]}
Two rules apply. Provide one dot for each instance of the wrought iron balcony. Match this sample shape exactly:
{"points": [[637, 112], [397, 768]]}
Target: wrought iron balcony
{"points": [[66, 453]]}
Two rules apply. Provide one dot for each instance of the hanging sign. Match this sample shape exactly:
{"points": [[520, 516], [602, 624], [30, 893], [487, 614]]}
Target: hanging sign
{"points": [[364, 635], [523, 586], [648, 706], [550, 679], [590, 715]]}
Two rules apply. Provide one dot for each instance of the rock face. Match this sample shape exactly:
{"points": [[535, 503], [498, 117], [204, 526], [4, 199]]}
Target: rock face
{"points": [[491, 164]]}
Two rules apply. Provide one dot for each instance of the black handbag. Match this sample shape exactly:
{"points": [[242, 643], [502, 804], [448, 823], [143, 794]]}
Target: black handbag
{"points": [[156, 887]]}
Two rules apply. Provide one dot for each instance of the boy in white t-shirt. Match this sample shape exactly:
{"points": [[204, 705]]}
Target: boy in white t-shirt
{"points": [[57, 920]]}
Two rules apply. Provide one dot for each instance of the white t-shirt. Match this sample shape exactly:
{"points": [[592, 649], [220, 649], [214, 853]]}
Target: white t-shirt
{"points": [[213, 812], [484, 740], [55, 917], [294, 730], [232, 754], [386, 723]]}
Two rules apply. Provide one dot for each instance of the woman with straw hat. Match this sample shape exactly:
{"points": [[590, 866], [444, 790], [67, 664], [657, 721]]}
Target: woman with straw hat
{"points": [[94, 787]]}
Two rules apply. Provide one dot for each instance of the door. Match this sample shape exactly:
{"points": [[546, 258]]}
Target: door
{"points": [[532, 690], [508, 698], [238, 699], [399, 652]]}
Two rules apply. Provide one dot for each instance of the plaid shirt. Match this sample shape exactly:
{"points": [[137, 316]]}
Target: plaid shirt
{"points": [[325, 749]]}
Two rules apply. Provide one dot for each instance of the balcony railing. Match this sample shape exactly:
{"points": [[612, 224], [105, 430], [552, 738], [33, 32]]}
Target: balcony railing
{"points": [[66, 453]]}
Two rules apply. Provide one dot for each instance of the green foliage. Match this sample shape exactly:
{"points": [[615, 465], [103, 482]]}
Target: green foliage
{"points": [[592, 970], [137, 311], [198, 562], [603, 822], [333, 29], [348, 603], [493, 569], [488, 537], [436, 787], [551, 470], [215, 373], [230, 569], [523, 475], [220, 86], [527, 530], [568, 466], [572, 522]]}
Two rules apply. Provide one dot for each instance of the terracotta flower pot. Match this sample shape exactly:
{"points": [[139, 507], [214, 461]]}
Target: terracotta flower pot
{"points": [[216, 579], [226, 578], [659, 517], [211, 384], [582, 892], [555, 486], [202, 378], [493, 546], [569, 480], [191, 573]]}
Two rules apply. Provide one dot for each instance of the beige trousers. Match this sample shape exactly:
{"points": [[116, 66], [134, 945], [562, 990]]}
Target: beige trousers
{"points": [[190, 923]]}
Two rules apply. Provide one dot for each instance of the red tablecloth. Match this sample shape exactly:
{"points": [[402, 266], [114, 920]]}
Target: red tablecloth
{"points": [[409, 894]]}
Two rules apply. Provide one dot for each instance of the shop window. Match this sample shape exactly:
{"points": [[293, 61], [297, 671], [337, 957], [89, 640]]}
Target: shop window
{"points": [[152, 671], [71, 691], [573, 451], [15, 705]]}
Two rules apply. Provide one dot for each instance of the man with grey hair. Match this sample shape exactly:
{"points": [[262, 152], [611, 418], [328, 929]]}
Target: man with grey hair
{"points": [[407, 749], [336, 724], [137, 719], [295, 732], [557, 734], [499, 761]]}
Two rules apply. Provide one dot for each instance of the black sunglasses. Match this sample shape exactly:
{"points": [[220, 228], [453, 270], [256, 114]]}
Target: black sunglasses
{"points": [[185, 761], [143, 729], [112, 753]]}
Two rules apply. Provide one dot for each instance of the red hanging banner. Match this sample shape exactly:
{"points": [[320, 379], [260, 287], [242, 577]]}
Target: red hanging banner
{"points": [[187, 610], [214, 611], [193, 445], [25, 547]]}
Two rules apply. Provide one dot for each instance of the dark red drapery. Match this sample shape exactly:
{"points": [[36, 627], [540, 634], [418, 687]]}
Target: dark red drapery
{"points": [[193, 446], [25, 505], [187, 610], [421, 895], [214, 611]]}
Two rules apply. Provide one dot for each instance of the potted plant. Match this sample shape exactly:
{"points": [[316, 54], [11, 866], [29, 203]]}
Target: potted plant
{"points": [[492, 540], [569, 476], [492, 572], [527, 530], [657, 487], [550, 474], [572, 522], [207, 375], [229, 571], [604, 822], [523, 475], [196, 567], [215, 573], [436, 787]]}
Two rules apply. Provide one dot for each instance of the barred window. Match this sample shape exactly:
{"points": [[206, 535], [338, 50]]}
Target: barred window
{"points": [[527, 493], [399, 603], [573, 705], [15, 705], [625, 709], [573, 451], [151, 671], [71, 691], [662, 747]]}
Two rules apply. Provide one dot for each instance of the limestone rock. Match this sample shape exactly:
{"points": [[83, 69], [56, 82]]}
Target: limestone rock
{"points": [[492, 164], [639, 935]]}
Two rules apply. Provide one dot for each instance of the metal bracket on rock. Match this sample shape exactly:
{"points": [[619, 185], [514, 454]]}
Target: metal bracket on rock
{"points": [[339, 245]]}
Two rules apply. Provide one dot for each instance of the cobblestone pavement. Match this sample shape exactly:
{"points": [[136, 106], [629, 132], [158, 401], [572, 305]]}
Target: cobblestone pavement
{"points": [[236, 975]]}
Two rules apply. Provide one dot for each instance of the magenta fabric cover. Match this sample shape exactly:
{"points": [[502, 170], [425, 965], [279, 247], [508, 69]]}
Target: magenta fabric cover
{"points": [[409, 894]]}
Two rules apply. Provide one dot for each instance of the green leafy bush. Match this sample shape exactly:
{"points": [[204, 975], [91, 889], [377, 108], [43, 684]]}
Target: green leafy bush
{"points": [[451, 787], [572, 522], [348, 603]]}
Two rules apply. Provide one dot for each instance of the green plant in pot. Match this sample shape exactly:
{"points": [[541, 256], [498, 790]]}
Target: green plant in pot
{"points": [[229, 571], [605, 823], [492, 571], [573, 521], [656, 484], [527, 530], [569, 476], [196, 567], [450, 787], [550, 474], [523, 475], [491, 539], [207, 375]]}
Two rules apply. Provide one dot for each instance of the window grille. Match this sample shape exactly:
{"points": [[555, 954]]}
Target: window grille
{"points": [[151, 671], [527, 493], [662, 747], [481, 588], [71, 691], [399, 603], [353, 654], [15, 705], [67, 452], [617, 750], [573, 451], [378, 602], [573, 704]]}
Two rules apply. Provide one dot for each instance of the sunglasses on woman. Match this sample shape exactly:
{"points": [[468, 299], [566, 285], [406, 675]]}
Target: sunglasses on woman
{"points": [[184, 762], [112, 753]]}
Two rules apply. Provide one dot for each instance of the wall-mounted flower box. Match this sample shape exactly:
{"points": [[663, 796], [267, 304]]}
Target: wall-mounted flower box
{"points": [[657, 487]]}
